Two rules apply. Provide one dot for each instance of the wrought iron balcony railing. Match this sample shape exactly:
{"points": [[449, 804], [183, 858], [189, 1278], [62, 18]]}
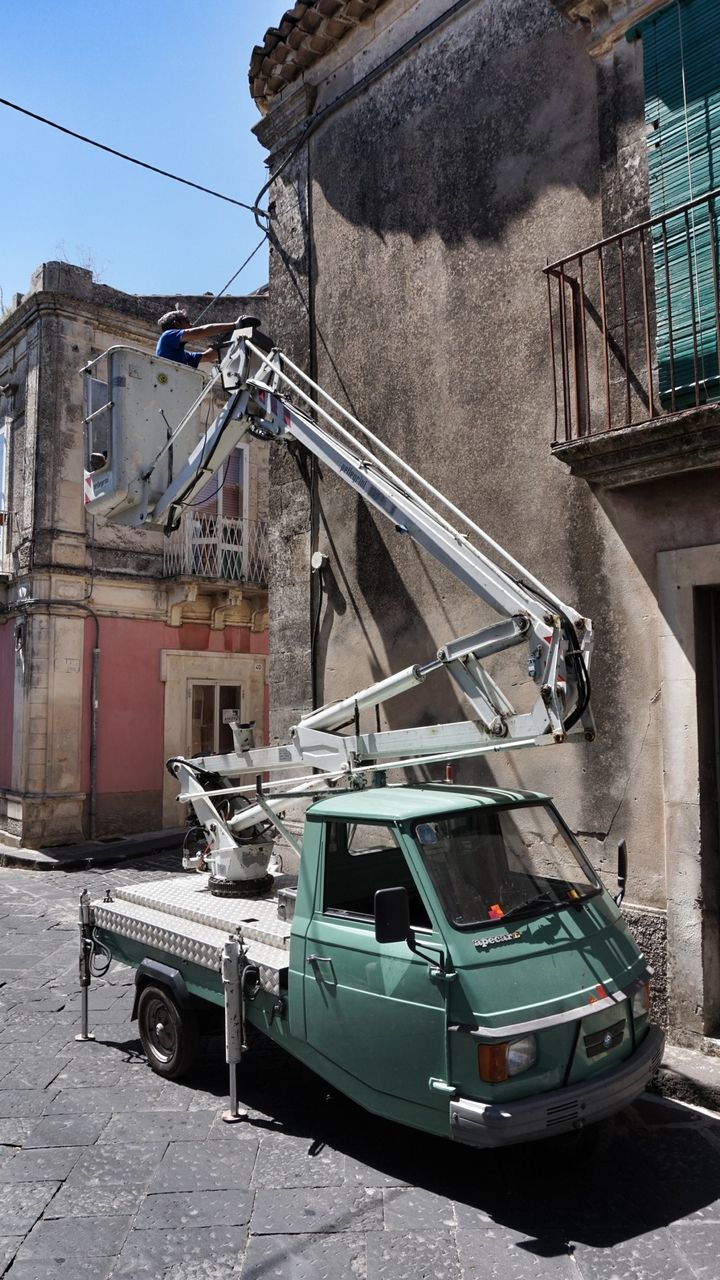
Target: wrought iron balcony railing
{"points": [[211, 546], [635, 323]]}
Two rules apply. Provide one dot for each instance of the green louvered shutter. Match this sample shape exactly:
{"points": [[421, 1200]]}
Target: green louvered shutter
{"points": [[681, 60]]}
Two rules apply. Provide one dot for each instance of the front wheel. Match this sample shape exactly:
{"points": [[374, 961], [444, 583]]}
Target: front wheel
{"points": [[169, 1034]]}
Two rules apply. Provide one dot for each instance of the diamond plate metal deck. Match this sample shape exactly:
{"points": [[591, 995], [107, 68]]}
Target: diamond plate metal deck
{"points": [[183, 919]]}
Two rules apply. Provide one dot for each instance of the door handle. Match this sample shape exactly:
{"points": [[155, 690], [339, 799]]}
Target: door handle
{"points": [[319, 960]]}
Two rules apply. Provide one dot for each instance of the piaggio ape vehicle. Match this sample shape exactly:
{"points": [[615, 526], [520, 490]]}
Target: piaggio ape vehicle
{"points": [[446, 955]]}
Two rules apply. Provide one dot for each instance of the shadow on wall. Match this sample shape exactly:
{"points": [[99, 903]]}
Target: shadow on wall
{"points": [[467, 130], [402, 627]]}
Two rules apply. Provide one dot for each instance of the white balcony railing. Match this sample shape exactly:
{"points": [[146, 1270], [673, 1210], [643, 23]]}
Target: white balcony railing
{"points": [[210, 546]]}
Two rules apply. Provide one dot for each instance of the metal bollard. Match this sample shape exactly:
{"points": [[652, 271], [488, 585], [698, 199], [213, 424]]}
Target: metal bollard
{"points": [[84, 965], [234, 1029]]}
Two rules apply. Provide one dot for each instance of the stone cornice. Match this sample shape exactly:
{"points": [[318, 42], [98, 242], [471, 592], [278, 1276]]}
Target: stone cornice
{"points": [[608, 20]]}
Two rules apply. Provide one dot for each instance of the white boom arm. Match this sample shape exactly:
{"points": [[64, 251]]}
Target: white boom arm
{"points": [[266, 391]]}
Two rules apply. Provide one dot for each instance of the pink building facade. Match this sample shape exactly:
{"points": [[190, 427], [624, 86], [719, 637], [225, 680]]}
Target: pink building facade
{"points": [[118, 649]]}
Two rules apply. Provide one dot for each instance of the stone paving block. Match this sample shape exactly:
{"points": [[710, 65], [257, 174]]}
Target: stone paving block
{"points": [[35, 1071], [699, 1244], [195, 1098], [115, 1165], [18, 1104], [412, 1209], [422, 1255], [471, 1216], [252, 1127], [304, 1257], [178, 1253], [149, 1097], [86, 1202], [22, 1203], [499, 1253], [189, 1166], [75, 1238], [93, 1268], [285, 1160], [14, 962], [84, 1071], [365, 1175], [158, 1126], [9, 1246], [120, 1011], [317, 1209], [51, 1164], [67, 1131], [654, 1256], [174, 1209], [50, 1037], [13, 1133]]}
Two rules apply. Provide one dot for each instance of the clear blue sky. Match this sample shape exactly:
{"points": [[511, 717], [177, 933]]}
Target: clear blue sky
{"points": [[166, 82]]}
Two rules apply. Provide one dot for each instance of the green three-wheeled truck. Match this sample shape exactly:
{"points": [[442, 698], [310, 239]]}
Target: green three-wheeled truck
{"points": [[444, 954]]}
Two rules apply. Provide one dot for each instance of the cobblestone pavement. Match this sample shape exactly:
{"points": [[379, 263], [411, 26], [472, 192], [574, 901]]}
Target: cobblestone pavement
{"points": [[108, 1171]]}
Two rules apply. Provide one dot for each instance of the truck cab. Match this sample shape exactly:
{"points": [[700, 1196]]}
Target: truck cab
{"points": [[518, 1003]]}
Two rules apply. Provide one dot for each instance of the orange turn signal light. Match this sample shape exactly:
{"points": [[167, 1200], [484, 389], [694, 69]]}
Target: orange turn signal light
{"points": [[492, 1062]]}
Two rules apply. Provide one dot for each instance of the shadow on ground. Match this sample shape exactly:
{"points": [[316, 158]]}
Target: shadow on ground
{"points": [[651, 1166]]}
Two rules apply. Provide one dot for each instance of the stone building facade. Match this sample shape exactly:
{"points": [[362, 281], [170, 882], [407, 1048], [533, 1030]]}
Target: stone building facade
{"points": [[454, 186], [118, 648]]}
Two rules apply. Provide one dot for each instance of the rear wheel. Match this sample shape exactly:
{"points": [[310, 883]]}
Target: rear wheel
{"points": [[169, 1034]]}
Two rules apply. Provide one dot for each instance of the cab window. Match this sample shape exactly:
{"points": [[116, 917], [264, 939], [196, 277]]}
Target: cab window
{"points": [[361, 858]]}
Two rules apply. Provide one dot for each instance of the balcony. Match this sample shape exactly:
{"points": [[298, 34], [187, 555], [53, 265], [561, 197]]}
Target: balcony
{"points": [[634, 337], [218, 548]]}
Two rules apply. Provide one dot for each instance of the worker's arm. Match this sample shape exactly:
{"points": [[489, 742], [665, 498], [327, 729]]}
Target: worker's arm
{"points": [[205, 332]]}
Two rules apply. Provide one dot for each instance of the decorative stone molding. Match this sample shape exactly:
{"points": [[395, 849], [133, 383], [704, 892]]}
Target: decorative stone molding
{"points": [[236, 606], [608, 20], [675, 443]]}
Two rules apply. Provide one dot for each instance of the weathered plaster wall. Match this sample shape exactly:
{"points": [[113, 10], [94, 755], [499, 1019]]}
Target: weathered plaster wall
{"points": [[429, 202]]}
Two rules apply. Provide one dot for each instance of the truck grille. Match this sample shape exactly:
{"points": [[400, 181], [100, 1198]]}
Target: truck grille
{"points": [[562, 1114], [605, 1040]]}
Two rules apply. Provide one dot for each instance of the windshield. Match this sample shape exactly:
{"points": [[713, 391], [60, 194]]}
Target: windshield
{"points": [[489, 865]]}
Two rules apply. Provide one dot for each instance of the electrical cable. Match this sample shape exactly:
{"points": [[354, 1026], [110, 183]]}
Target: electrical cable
{"points": [[142, 164], [573, 656], [99, 967], [230, 281], [200, 502]]}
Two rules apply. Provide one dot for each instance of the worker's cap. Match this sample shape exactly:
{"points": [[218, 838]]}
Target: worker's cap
{"points": [[174, 320]]}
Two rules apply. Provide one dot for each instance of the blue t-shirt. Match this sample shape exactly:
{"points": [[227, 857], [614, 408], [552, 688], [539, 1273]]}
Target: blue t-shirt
{"points": [[170, 347]]}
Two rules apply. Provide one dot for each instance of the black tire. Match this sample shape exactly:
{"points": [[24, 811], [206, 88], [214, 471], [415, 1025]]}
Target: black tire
{"points": [[169, 1034]]}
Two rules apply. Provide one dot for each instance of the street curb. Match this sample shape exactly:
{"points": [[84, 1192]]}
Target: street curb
{"points": [[92, 853], [688, 1076]]}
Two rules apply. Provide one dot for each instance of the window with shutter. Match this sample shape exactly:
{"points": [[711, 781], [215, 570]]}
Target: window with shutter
{"points": [[681, 63]]}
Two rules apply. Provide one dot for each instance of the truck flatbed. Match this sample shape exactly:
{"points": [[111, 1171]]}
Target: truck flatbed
{"points": [[180, 917]]}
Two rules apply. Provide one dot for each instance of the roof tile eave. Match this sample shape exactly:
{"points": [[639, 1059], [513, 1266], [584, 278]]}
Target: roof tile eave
{"points": [[305, 33]]}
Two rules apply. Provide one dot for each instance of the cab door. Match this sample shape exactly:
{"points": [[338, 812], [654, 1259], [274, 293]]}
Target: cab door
{"points": [[375, 1016]]}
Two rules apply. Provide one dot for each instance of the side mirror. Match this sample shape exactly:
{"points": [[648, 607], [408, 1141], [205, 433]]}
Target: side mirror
{"points": [[622, 865], [392, 915]]}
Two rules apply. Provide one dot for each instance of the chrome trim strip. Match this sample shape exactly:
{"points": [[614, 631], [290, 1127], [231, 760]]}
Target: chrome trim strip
{"points": [[490, 1034]]}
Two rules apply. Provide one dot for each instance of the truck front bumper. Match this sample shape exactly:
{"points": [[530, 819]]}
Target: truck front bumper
{"points": [[488, 1124]]}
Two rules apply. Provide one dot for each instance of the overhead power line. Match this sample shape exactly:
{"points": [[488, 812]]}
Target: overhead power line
{"points": [[234, 277], [142, 164]]}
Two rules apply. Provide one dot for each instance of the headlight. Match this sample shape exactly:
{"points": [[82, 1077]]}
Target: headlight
{"points": [[496, 1062], [641, 999], [521, 1054]]}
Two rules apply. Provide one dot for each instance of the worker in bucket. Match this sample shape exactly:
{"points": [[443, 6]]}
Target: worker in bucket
{"points": [[177, 333]]}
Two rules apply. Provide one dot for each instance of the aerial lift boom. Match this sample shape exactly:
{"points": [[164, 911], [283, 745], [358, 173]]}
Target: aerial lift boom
{"points": [[271, 398]]}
